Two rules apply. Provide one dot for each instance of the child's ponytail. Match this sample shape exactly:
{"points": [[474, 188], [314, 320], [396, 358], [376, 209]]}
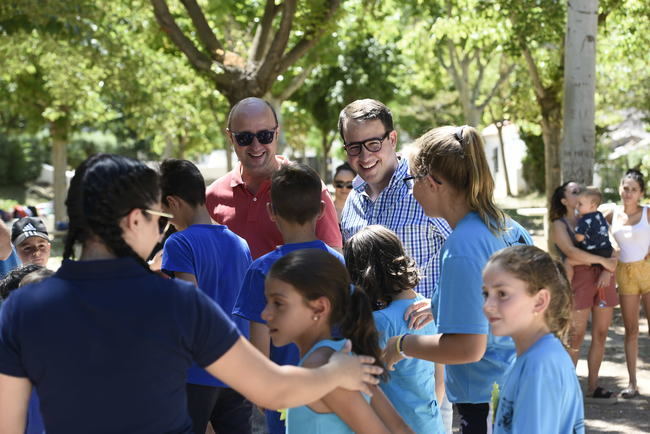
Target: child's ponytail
{"points": [[358, 325]]}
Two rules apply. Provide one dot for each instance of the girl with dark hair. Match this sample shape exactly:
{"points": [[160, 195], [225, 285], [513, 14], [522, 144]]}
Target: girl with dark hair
{"points": [[527, 297], [594, 273], [108, 343], [377, 262], [308, 295], [451, 179], [630, 225]]}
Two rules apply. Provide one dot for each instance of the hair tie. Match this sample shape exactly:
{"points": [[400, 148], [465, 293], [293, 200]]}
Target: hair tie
{"points": [[459, 134]]}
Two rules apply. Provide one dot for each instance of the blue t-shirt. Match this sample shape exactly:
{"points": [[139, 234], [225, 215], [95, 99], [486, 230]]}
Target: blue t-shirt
{"points": [[411, 386], [460, 305], [218, 259], [251, 302], [595, 229], [303, 419], [10, 263], [110, 338], [541, 393]]}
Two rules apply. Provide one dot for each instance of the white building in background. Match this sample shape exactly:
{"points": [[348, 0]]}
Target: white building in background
{"points": [[515, 151]]}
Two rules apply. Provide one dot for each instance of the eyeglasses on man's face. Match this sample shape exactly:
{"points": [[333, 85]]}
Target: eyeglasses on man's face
{"points": [[373, 144], [245, 138]]}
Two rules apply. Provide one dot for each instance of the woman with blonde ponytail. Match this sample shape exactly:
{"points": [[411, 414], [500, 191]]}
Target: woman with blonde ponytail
{"points": [[452, 180]]}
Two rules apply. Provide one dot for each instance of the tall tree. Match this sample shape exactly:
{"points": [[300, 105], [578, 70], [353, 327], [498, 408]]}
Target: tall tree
{"points": [[579, 143], [248, 62]]}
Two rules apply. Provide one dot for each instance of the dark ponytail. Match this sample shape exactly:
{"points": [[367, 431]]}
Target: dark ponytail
{"points": [[104, 189], [315, 273]]}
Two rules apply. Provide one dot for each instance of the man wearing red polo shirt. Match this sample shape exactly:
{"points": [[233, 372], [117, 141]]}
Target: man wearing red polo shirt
{"points": [[238, 199]]}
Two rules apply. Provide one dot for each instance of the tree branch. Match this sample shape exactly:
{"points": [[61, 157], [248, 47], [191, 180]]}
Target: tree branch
{"points": [[204, 31], [308, 41], [261, 41], [295, 84], [279, 44], [167, 23], [481, 71], [538, 86], [496, 87]]}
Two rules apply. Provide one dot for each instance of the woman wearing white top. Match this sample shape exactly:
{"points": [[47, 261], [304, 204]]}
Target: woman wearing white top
{"points": [[631, 229]]}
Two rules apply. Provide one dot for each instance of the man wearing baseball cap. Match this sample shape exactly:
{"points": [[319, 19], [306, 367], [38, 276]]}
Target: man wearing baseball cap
{"points": [[29, 237]]}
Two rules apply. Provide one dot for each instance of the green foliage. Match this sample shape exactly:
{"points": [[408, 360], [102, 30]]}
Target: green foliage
{"points": [[533, 164], [20, 159]]}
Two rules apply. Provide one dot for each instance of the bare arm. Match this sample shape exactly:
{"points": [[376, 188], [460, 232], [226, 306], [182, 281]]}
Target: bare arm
{"points": [[387, 413], [5, 241], [14, 398], [450, 349], [271, 386], [260, 337], [353, 409], [440, 382], [563, 242]]}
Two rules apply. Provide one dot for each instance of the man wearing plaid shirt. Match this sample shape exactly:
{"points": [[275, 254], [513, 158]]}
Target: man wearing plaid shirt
{"points": [[381, 194]]}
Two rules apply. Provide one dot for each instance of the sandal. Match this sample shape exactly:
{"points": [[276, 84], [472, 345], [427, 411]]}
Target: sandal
{"points": [[629, 393], [602, 396]]}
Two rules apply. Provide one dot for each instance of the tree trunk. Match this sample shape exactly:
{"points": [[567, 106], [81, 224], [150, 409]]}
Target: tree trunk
{"points": [[579, 139], [59, 131], [551, 133], [499, 125]]}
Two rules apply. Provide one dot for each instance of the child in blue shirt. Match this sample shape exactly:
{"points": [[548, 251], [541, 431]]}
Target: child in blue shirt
{"points": [[377, 262], [295, 207], [528, 297], [309, 294], [215, 260]]}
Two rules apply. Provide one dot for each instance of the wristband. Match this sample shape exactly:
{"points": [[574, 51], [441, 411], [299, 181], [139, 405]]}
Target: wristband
{"points": [[400, 346]]}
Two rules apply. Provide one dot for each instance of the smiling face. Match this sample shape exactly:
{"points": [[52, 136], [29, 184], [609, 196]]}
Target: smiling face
{"points": [[376, 168], [286, 313], [508, 306], [253, 116], [630, 191], [34, 250]]}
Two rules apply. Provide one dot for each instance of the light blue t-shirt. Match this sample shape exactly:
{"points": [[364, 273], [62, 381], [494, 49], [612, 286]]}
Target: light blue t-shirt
{"points": [[218, 258], [251, 302], [303, 419], [460, 305], [411, 386], [541, 393], [10, 263]]}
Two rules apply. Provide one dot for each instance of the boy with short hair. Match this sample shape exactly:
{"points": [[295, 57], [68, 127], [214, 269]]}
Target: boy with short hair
{"points": [[215, 260], [295, 208], [31, 240]]}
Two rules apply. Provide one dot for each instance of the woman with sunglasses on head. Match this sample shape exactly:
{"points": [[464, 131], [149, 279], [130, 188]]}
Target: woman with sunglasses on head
{"points": [[594, 272], [451, 179], [108, 343], [343, 177]]}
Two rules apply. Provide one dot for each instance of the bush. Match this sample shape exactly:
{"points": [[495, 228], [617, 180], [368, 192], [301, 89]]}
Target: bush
{"points": [[21, 159]]}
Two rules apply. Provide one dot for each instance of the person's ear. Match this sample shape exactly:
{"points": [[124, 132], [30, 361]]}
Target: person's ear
{"points": [[130, 222], [173, 203], [321, 307], [322, 210], [392, 136], [270, 212], [231, 138], [542, 300]]}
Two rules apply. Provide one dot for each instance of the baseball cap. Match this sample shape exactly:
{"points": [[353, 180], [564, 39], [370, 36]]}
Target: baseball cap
{"points": [[28, 227]]}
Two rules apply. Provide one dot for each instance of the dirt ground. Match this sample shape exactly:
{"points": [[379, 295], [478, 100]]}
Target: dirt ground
{"points": [[624, 416]]}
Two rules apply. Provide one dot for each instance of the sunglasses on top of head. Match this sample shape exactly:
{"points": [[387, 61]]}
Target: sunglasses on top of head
{"points": [[245, 138]]}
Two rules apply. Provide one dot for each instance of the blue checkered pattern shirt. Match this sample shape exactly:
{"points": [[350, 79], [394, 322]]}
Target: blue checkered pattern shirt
{"points": [[397, 209]]}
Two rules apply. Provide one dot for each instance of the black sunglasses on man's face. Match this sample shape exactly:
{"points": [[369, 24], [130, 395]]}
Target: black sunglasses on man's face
{"points": [[245, 138]]}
